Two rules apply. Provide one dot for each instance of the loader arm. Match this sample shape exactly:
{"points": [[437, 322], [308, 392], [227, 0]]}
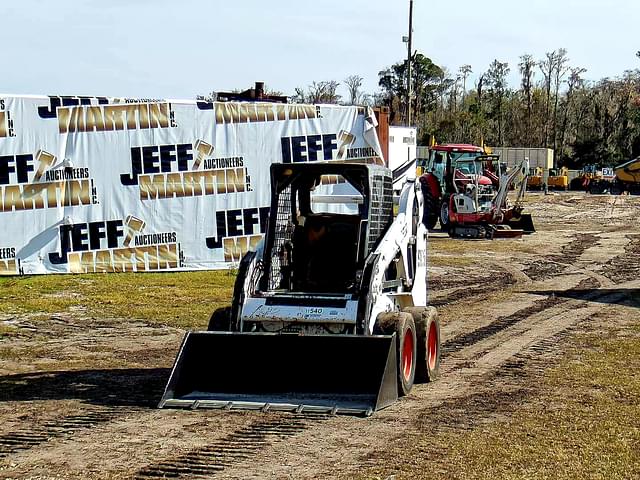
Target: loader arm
{"points": [[517, 175], [400, 270]]}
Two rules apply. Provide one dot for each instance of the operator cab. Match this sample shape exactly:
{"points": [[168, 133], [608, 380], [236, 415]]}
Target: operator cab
{"points": [[325, 220]]}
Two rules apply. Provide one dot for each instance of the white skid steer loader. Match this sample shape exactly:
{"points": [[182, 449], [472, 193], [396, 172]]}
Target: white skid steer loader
{"points": [[329, 314]]}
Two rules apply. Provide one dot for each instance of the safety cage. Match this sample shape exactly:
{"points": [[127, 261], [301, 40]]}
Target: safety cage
{"points": [[317, 249]]}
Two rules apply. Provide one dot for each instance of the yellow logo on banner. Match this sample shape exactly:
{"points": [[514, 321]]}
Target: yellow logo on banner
{"points": [[6, 122], [228, 112], [153, 169], [107, 118], [8, 262], [64, 187], [106, 246], [3, 124]]}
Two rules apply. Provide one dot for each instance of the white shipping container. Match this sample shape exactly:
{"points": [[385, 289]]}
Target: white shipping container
{"points": [[538, 157]]}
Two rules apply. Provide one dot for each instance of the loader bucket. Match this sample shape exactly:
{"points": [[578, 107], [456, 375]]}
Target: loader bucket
{"points": [[339, 374], [524, 222]]}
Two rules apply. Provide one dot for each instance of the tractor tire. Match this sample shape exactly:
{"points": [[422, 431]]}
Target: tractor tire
{"points": [[430, 215], [428, 346], [616, 189], [406, 343], [445, 223], [220, 320], [238, 293]]}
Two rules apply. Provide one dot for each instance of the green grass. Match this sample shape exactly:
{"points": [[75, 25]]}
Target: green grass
{"points": [[184, 299]]}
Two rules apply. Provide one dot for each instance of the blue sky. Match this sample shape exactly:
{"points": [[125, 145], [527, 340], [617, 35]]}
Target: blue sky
{"points": [[181, 48]]}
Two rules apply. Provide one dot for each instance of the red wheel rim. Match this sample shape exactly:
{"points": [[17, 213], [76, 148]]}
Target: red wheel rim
{"points": [[407, 355], [432, 346]]}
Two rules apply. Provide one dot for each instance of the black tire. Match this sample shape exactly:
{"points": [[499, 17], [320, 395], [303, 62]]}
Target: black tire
{"points": [[428, 343], [616, 189], [238, 291], [445, 224], [220, 320], [430, 215], [405, 329]]}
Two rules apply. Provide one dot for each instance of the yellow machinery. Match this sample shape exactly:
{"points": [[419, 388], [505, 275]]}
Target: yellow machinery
{"points": [[534, 180], [559, 179], [629, 172], [626, 179]]}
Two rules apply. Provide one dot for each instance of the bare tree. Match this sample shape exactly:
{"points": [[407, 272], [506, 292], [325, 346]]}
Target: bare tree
{"points": [[561, 69], [464, 70], [318, 92], [353, 84], [547, 66], [526, 70], [299, 96]]}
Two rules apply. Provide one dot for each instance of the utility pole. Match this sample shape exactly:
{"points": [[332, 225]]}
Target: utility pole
{"points": [[409, 64]]}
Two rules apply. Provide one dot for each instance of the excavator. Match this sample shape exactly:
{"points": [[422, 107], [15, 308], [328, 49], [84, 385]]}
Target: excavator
{"points": [[329, 314], [466, 191]]}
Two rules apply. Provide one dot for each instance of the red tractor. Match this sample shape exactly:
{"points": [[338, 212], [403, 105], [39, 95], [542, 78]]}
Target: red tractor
{"points": [[466, 191]]}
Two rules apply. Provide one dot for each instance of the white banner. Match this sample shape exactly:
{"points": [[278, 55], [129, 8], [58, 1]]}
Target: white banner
{"points": [[95, 184]]}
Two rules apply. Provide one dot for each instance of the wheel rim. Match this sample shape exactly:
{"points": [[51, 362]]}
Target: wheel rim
{"points": [[432, 346], [407, 355], [444, 213]]}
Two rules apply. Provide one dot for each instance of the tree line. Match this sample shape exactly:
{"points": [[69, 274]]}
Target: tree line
{"points": [[585, 122]]}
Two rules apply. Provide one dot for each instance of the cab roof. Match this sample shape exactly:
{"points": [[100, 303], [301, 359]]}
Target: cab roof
{"points": [[458, 147]]}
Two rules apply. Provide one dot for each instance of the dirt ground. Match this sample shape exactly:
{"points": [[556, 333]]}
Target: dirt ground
{"points": [[78, 395]]}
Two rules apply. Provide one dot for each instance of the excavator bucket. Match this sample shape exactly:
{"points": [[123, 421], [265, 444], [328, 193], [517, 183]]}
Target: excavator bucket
{"points": [[524, 222], [339, 374]]}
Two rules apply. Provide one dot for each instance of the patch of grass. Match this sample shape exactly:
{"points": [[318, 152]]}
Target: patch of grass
{"points": [[460, 246], [585, 423], [450, 261], [7, 330], [182, 299]]}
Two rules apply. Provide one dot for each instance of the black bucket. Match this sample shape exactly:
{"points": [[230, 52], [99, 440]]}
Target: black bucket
{"points": [[524, 222], [340, 374]]}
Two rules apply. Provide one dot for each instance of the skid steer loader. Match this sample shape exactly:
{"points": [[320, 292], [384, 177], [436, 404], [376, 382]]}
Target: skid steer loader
{"points": [[329, 313]]}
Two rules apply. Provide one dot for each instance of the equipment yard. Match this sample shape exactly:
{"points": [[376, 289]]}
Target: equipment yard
{"points": [[539, 374]]}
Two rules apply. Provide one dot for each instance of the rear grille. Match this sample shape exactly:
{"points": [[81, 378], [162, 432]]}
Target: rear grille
{"points": [[381, 209], [307, 302]]}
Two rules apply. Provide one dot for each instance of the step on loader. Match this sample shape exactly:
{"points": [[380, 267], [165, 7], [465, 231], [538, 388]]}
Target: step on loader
{"points": [[329, 314]]}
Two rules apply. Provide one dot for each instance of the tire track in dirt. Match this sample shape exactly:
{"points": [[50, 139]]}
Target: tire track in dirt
{"points": [[110, 396], [24, 439], [501, 323], [511, 384], [239, 446], [501, 279], [626, 266], [528, 340], [490, 378], [552, 265]]}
